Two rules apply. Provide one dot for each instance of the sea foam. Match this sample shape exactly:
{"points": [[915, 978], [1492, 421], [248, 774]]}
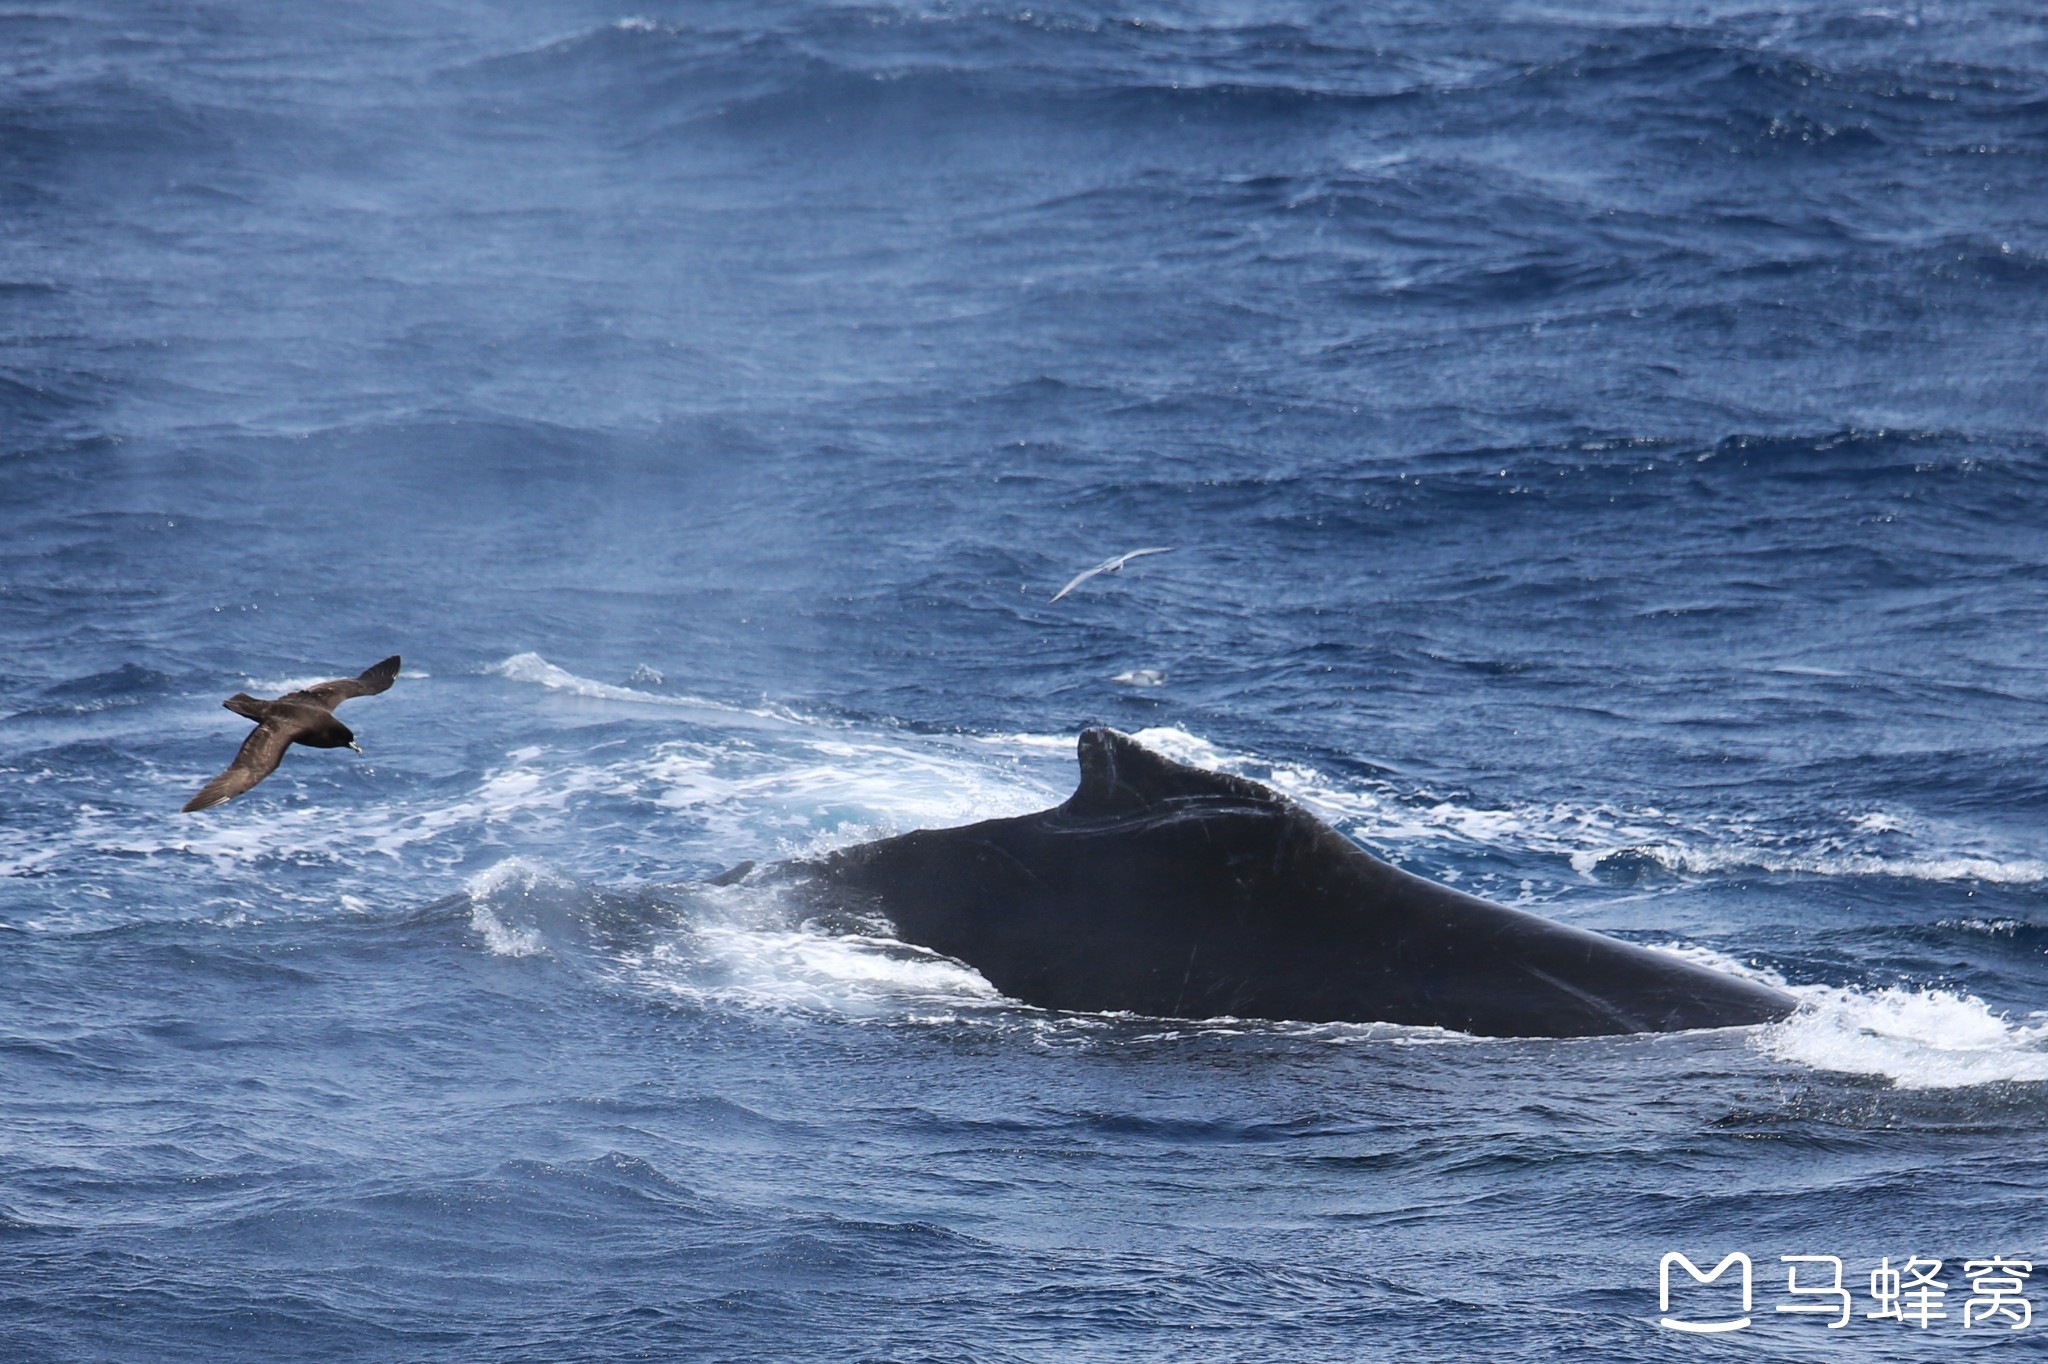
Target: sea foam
{"points": [[1916, 1038]]}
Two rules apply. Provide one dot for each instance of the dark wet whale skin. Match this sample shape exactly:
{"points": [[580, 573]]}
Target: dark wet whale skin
{"points": [[1167, 890]]}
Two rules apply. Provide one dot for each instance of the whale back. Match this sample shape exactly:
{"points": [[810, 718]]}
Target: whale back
{"points": [[1119, 776], [1165, 890]]}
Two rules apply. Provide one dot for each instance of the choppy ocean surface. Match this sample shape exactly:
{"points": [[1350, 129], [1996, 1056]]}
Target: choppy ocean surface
{"points": [[1603, 450]]}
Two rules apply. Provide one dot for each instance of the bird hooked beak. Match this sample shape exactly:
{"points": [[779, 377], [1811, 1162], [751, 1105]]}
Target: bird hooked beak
{"points": [[356, 746]]}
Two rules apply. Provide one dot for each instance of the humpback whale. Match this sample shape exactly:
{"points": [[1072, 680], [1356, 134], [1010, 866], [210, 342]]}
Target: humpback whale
{"points": [[1167, 890]]}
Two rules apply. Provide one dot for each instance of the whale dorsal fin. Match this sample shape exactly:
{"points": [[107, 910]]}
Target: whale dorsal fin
{"points": [[1119, 775]]}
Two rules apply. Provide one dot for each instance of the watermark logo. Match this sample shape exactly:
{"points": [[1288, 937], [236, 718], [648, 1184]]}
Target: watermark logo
{"points": [[1914, 1293], [1911, 1294], [1999, 1287], [1702, 1327], [1835, 1298]]}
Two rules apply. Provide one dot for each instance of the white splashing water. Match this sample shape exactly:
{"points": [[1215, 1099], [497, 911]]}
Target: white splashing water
{"points": [[515, 879], [808, 971], [736, 945], [1918, 1039], [532, 668], [742, 784], [807, 787], [512, 794]]}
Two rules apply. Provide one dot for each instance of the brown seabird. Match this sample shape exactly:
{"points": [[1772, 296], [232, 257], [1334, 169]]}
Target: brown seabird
{"points": [[298, 717]]}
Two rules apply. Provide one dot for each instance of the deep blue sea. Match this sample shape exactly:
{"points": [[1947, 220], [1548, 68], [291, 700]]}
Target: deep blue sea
{"points": [[1604, 450]]}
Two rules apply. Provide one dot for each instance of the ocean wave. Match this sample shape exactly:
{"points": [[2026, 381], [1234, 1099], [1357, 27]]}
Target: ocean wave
{"points": [[1745, 86], [731, 946], [1918, 1038], [734, 783], [489, 893], [532, 668], [1819, 860], [794, 969], [1601, 841], [813, 775]]}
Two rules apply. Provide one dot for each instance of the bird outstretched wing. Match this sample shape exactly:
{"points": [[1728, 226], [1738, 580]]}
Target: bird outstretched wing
{"points": [[373, 679], [1113, 564], [259, 756]]}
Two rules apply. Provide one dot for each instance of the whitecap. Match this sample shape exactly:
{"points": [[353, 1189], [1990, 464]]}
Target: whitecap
{"points": [[1916, 1038], [497, 897], [533, 669], [746, 946]]}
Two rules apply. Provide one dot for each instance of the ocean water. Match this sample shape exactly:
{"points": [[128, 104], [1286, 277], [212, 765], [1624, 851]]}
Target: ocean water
{"points": [[1603, 452]]}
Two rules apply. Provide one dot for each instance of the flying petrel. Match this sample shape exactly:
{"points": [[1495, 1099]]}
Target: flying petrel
{"points": [[298, 717], [1114, 564]]}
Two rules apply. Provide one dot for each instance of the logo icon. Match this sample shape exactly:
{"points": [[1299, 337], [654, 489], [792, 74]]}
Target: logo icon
{"points": [[1702, 1327]]}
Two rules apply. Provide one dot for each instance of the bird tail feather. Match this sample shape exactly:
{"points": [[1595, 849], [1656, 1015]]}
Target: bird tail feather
{"points": [[241, 703]]}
